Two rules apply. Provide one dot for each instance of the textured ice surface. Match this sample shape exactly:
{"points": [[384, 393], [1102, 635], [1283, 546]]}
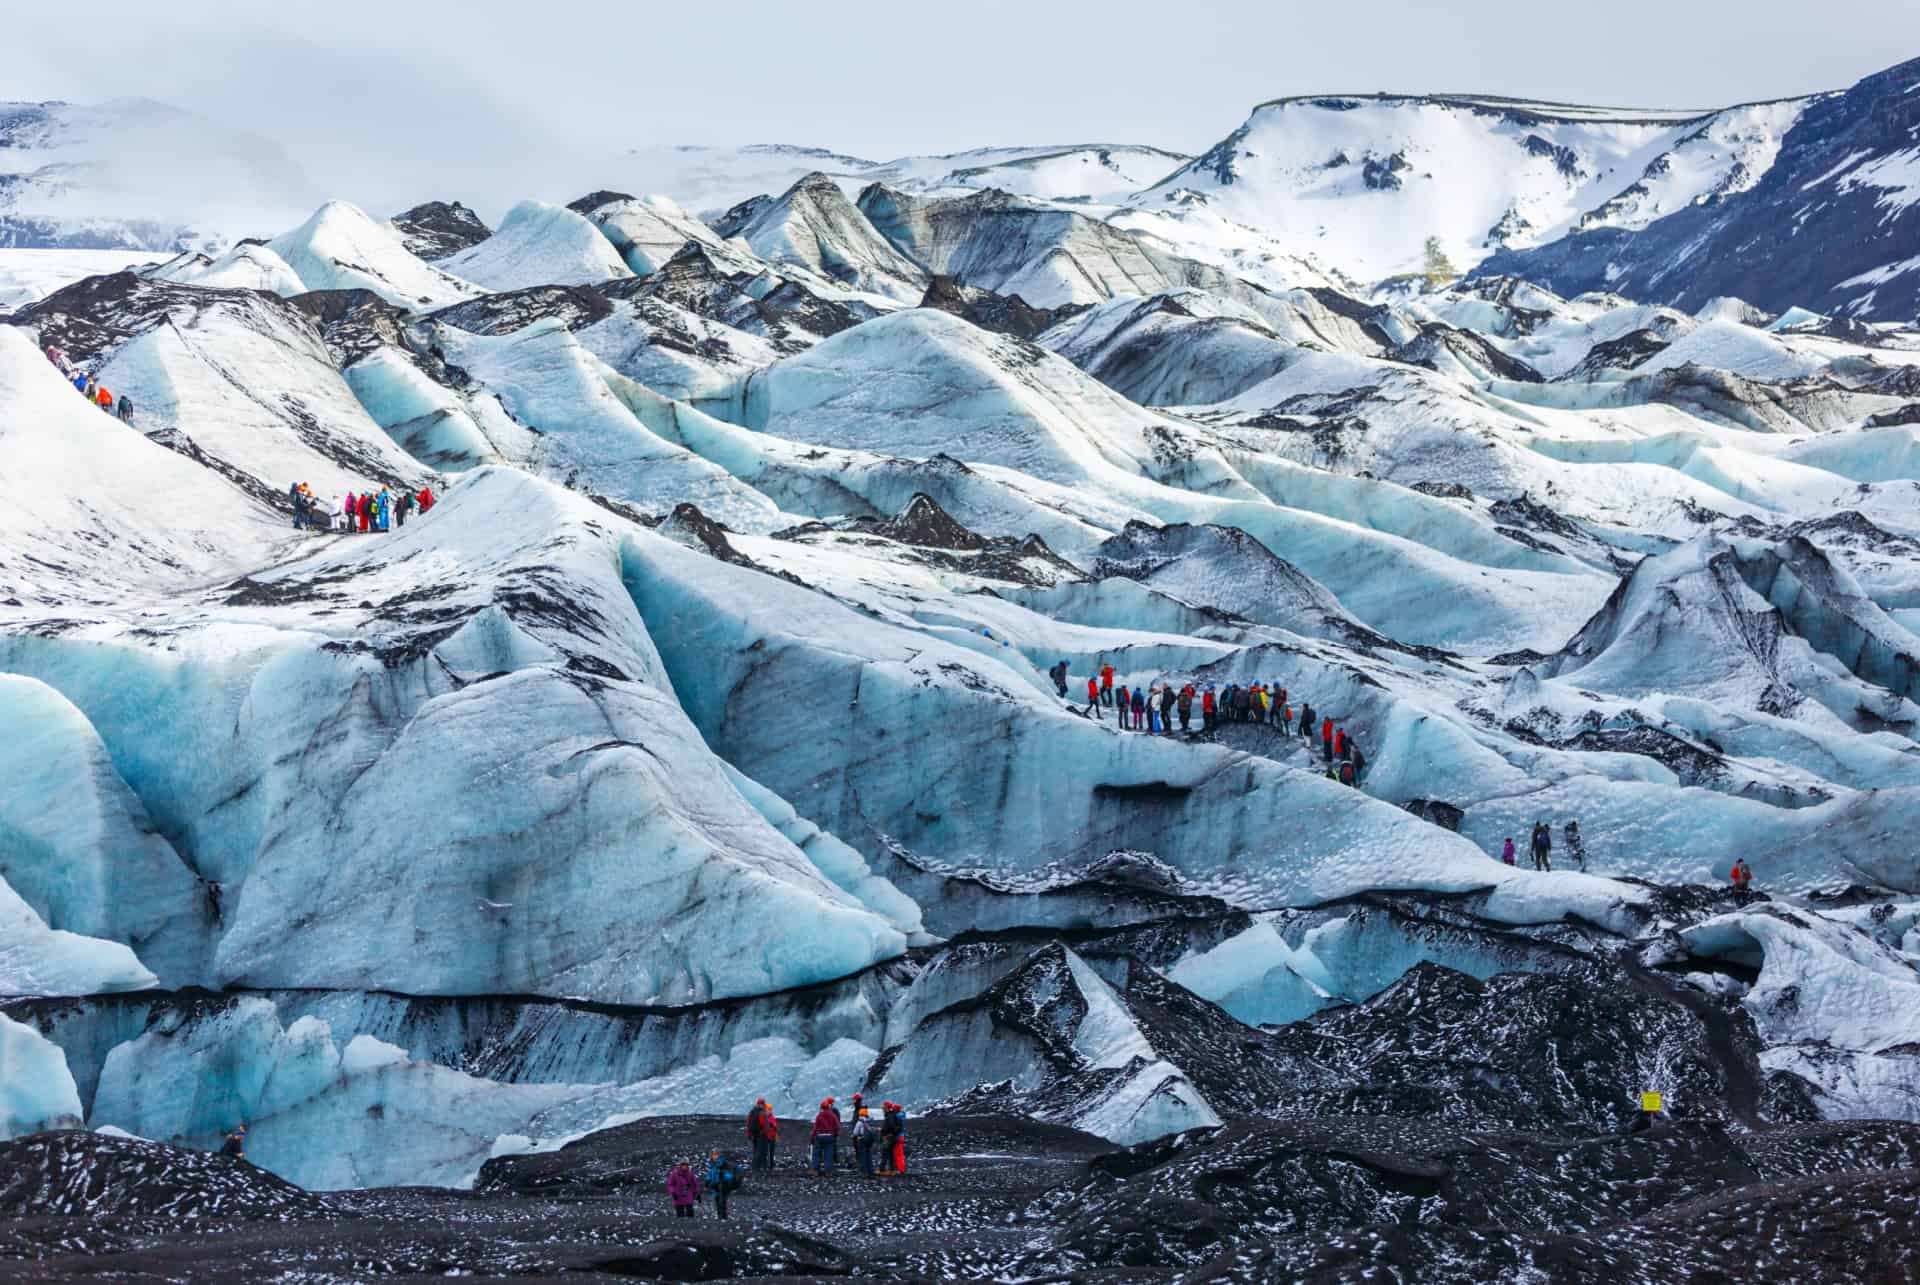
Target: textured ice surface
{"points": [[36, 1092], [342, 248], [538, 245]]}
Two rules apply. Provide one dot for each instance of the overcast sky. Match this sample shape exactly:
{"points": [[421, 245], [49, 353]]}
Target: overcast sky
{"points": [[371, 96]]}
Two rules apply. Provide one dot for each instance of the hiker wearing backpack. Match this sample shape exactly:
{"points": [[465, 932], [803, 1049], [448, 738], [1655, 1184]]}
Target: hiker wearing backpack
{"points": [[826, 1138], [723, 1179], [1093, 697], [761, 1131], [864, 1136]]}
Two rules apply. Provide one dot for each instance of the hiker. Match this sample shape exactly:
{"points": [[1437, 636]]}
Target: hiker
{"points": [[1506, 850], [1742, 877], [1306, 721], [386, 509], [58, 357], [105, 400], [89, 389], [126, 409], [1122, 701], [1106, 685], [1093, 696], [1153, 709], [826, 1137], [1576, 847], [1346, 772], [1326, 738], [864, 1136], [80, 382], [722, 1179], [1359, 762], [236, 1144], [1340, 743], [401, 503], [1059, 675], [1139, 709], [426, 498], [893, 1138], [1207, 708], [1166, 708], [761, 1131], [1542, 846], [683, 1188], [299, 506], [1186, 707]]}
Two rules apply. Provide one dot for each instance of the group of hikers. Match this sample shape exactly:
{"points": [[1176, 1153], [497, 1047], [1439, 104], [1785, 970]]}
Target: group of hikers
{"points": [[84, 384], [368, 511], [1541, 846], [1154, 708], [879, 1147]]}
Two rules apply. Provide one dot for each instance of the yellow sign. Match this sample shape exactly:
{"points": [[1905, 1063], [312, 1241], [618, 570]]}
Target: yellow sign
{"points": [[1653, 1102]]}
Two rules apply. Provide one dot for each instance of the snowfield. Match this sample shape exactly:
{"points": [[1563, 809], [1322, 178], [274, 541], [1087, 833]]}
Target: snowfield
{"points": [[722, 729]]}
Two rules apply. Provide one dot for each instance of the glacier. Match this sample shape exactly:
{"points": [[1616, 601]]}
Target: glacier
{"points": [[721, 731]]}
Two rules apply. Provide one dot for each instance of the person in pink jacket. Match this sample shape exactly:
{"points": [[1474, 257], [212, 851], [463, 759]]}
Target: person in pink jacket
{"points": [[683, 1188]]}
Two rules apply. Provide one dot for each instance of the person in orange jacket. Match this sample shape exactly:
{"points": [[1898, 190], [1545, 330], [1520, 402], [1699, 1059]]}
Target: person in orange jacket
{"points": [[1207, 708], [1106, 684], [1326, 738], [1742, 877]]}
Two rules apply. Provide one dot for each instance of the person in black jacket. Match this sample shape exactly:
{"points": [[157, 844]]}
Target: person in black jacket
{"points": [[236, 1143]]}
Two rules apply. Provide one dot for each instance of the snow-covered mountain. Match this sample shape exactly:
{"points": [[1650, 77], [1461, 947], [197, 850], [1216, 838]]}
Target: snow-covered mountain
{"points": [[701, 742], [134, 174], [1822, 212], [715, 178], [1360, 182]]}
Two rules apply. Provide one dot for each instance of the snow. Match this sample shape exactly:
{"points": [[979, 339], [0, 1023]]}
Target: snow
{"points": [[27, 275], [536, 245], [341, 247], [1895, 176], [247, 266], [1397, 170]]}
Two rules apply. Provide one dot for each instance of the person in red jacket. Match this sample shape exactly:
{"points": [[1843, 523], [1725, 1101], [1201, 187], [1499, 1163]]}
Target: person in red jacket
{"points": [[1106, 684], [762, 1132], [1093, 695], [1742, 876], [426, 498], [1326, 738], [1340, 742], [826, 1138], [1207, 708]]}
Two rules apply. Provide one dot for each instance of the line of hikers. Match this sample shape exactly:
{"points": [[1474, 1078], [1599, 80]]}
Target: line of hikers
{"points": [[1153, 709], [887, 1137], [84, 384], [369, 511]]}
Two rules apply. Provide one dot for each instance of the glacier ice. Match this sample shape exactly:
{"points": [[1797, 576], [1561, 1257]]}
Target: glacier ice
{"points": [[36, 1092]]}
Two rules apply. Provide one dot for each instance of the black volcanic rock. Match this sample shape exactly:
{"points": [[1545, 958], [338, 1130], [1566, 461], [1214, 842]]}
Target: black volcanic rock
{"points": [[438, 229], [1005, 314]]}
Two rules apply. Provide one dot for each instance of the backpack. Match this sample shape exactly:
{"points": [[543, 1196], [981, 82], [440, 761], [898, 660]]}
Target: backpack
{"points": [[863, 1128], [729, 1178]]}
